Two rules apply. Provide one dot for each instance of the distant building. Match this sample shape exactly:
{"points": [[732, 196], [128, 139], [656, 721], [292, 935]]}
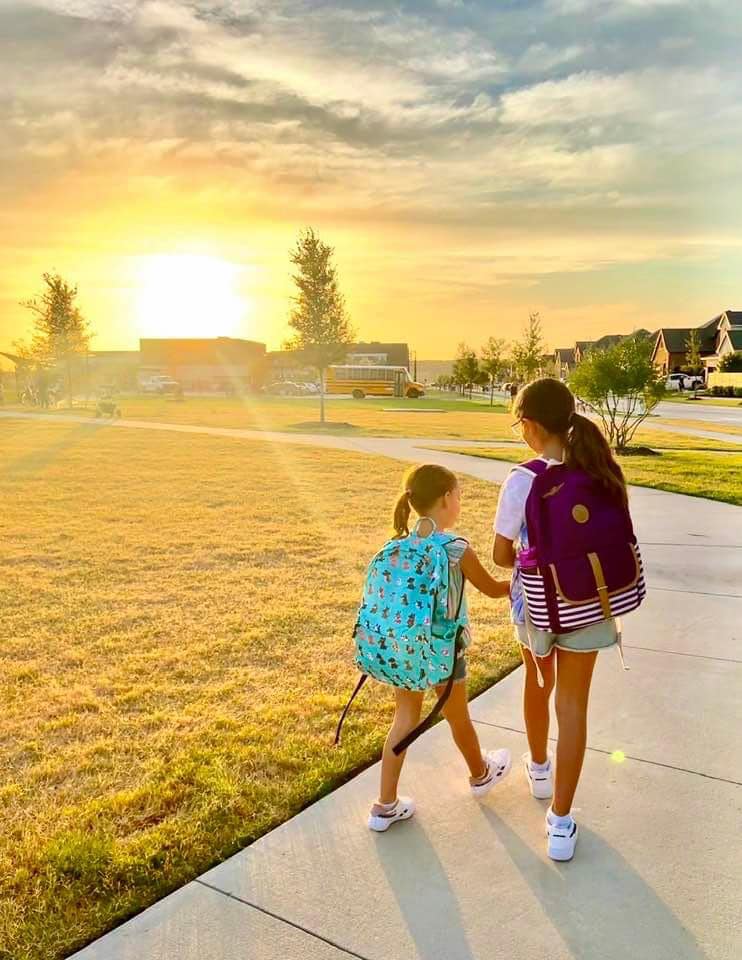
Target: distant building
{"points": [[564, 361], [206, 365], [295, 365], [717, 337], [582, 348]]}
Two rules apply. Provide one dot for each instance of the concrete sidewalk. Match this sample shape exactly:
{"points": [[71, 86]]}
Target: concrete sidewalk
{"points": [[656, 875]]}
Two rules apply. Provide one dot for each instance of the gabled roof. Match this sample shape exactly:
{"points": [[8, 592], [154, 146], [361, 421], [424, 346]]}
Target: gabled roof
{"points": [[734, 317], [734, 336], [676, 338], [565, 354]]}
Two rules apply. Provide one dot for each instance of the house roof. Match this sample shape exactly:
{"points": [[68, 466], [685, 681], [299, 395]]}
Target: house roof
{"points": [[676, 338], [734, 317], [735, 337], [565, 354]]}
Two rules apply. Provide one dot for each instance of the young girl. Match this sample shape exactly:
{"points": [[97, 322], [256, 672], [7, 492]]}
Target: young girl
{"points": [[433, 493], [545, 413]]}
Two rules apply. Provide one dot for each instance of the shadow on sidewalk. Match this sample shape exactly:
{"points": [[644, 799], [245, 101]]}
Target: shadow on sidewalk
{"points": [[599, 904], [420, 885]]}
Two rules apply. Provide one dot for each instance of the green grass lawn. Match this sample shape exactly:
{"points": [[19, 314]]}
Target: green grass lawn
{"points": [[176, 615], [702, 401], [700, 473], [381, 417]]}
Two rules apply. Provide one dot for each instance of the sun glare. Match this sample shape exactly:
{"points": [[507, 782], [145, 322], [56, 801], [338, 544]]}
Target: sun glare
{"points": [[185, 295]]}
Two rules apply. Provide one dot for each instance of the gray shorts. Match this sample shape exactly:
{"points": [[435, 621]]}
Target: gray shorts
{"points": [[598, 636], [459, 671]]}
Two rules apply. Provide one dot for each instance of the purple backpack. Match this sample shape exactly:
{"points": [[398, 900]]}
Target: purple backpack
{"points": [[582, 564]]}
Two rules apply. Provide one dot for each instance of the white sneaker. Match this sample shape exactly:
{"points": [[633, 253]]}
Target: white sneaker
{"points": [[498, 763], [541, 782], [562, 840], [402, 810]]}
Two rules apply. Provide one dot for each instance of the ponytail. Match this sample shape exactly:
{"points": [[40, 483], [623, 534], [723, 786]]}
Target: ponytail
{"points": [[401, 520], [588, 449], [422, 487], [551, 403]]}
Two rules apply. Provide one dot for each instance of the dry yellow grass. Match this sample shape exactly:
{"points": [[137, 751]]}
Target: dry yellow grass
{"points": [[388, 417], [175, 614]]}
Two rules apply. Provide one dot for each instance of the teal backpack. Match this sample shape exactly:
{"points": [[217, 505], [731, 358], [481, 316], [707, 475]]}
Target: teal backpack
{"points": [[403, 634]]}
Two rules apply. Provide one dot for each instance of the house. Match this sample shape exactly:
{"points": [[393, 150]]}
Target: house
{"points": [[582, 348], [564, 361], [716, 337], [206, 365]]}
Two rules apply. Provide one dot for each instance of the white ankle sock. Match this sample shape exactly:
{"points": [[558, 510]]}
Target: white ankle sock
{"points": [[540, 767], [556, 821]]}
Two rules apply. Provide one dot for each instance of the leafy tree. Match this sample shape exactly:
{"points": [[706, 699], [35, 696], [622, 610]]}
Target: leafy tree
{"points": [[319, 315], [693, 362], [465, 368], [492, 362], [61, 334], [731, 363], [529, 350], [621, 385]]}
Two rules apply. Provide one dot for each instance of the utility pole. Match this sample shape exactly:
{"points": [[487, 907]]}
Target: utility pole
{"points": [[414, 361]]}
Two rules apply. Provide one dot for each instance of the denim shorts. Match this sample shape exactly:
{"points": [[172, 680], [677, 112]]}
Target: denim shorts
{"points": [[597, 636]]}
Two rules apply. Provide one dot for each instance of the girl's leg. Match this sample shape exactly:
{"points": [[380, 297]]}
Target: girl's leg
{"points": [[456, 712], [574, 673], [406, 717], [536, 703]]}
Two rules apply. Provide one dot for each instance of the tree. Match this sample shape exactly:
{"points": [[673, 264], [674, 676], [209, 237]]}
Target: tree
{"points": [[319, 316], [621, 385], [693, 362], [529, 350], [492, 362], [61, 334], [465, 368], [731, 363]]}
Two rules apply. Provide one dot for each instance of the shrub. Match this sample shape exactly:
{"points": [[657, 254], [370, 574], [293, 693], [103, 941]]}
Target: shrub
{"points": [[738, 391]]}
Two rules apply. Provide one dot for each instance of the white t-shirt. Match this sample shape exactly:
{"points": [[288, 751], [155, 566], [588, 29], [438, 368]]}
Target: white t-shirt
{"points": [[510, 522]]}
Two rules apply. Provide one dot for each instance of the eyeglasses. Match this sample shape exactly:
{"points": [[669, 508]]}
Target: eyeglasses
{"points": [[517, 429]]}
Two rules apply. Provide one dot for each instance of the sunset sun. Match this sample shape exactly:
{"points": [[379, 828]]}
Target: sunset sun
{"points": [[186, 295]]}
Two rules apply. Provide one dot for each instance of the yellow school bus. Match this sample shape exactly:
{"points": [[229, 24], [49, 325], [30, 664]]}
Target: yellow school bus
{"points": [[366, 380]]}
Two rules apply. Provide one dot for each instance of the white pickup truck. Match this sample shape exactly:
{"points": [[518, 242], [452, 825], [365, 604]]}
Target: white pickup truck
{"points": [[159, 384], [684, 381]]}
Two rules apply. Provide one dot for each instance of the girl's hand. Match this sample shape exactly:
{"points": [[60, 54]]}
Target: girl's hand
{"points": [[480, 578]]}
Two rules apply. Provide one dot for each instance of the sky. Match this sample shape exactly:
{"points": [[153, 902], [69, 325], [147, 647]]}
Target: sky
{"points": [[470, 161]]}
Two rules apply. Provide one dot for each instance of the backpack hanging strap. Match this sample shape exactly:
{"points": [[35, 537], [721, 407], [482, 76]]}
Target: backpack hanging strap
{"points": [[405, 742], [364, 678], [440, 703]]}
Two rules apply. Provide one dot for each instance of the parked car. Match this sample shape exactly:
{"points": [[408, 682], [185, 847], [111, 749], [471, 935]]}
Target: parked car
{"points": [[684, 381], [160, 384]]}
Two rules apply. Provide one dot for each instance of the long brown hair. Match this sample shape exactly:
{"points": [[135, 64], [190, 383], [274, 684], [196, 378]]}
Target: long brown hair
{"points": [[551, 403], [421, 488]]}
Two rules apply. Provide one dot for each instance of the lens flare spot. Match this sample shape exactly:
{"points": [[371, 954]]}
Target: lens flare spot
{"points": [[618, 756]]}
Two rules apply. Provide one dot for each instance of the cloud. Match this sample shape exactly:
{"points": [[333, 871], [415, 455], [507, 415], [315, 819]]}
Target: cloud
{"points": [[535, 119]]}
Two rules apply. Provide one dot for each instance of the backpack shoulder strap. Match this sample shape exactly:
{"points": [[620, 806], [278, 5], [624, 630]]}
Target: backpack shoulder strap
{"points": [[535, 467]]}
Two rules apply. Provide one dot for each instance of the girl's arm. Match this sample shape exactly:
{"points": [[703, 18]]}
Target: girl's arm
{"points": [[480, 578], [503, 551]]}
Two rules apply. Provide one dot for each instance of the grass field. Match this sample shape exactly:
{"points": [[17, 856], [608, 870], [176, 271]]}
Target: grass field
{"points": [[176, 615], [717, 476], [387, 417], [711, 425]]}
